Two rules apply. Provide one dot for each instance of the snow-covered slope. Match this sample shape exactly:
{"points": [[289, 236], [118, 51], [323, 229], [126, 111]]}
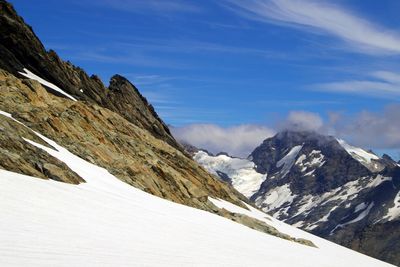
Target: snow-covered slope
{"points": [[368, 159], [106, 222], [357, 152], [240, 172]]}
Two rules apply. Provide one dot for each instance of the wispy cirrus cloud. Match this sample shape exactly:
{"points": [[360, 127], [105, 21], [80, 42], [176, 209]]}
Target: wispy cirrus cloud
{"points": [[149, 79], [158, 52], [171, 6], [383, 84], [188, 46], [322, 17]]}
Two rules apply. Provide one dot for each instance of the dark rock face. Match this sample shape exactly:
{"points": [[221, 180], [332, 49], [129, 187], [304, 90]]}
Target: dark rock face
{"points": [[20, 48], [327, 174], [379, 240], [331, 189], [189, 148], [388, 161], [125, 99], [314, 183]]}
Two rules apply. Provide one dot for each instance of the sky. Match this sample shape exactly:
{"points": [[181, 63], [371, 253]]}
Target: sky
{"points": [[226, 74]]}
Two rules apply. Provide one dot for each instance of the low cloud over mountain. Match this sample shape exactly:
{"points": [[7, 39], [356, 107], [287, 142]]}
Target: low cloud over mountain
{"points": [[237, 140], [371, 130]]}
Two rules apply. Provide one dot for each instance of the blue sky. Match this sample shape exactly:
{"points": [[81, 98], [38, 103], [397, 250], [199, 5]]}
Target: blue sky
{"points": [[232, 67]]}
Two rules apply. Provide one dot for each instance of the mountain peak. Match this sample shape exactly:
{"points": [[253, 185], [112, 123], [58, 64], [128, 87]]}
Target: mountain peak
{"points": [[21, 50], [303, 136], [387, 157], [118, 80]]}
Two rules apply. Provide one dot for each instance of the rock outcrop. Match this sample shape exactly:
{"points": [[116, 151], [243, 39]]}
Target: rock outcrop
{"points": [[20, 48], [106, 139]]}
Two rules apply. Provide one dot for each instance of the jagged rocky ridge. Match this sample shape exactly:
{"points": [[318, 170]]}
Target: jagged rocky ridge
{"points": [[21, 49], [325, 186]]}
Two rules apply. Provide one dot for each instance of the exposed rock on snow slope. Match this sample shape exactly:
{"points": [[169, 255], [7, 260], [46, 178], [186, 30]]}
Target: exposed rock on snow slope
{"points": [[19, 156], [107, 222], [368, 159], [28, 74], [102, 137]]}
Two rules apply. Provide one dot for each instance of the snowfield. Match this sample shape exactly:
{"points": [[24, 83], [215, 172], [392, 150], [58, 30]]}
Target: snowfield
{"points": [[106, 222], [242, 172]]}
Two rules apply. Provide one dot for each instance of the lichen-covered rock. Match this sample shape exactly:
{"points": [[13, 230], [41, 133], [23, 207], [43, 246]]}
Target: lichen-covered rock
{"points": [[20, 48], [105, 138], [19, 156]]}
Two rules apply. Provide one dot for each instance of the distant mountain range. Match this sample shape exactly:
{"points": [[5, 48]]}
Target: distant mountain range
{"points": [[322, 185]]}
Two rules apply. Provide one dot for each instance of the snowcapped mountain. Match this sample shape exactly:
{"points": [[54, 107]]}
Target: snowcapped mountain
{"points": [[107, 222], [325, 186], [91, 176]]}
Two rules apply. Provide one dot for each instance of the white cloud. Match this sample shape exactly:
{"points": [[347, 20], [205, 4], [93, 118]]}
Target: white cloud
{"points": [[387, 76], [322, 17], [237, 140], [379, 84], [302, 121], [241, 140], [378, 130], [370, 130]]}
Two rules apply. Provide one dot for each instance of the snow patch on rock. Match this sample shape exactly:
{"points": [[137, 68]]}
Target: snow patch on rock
{"points": [[394, 212], [367, 159], [288, 160], [361, 216], [276, 198], [27, 73]]}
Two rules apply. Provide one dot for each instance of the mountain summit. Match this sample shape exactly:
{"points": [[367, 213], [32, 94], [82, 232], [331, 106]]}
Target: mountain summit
{"points": [[323, 185]]}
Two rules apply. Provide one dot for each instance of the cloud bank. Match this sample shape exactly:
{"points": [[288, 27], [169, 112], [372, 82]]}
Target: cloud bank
{"points": [[241, 140], [322, 17], [237, 141], [302, 121], [370, 130], [379, 130]]}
